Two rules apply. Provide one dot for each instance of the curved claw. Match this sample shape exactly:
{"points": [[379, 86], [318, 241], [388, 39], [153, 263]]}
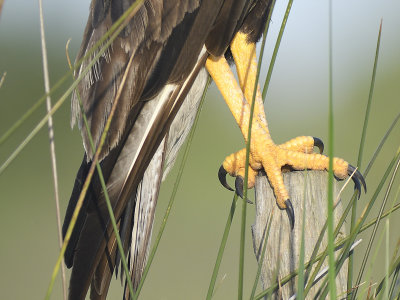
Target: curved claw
{"points": [[222, 178], [239, 186], [290, 212], [319, 143], [357, 178]]}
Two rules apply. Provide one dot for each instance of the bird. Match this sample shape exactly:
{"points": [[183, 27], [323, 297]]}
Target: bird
{"points": [[150, 79]]}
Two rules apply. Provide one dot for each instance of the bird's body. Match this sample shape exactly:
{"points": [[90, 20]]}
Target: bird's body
{"points": [[168, 42], [153, 74]]}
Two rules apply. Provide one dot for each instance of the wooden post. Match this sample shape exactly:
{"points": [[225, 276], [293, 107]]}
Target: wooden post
{"points": [[283, 246]]}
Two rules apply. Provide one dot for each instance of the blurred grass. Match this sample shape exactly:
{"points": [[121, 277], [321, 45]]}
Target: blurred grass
{"points": [[188, 249]]}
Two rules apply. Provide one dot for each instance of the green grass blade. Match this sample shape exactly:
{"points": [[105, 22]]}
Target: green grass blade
{"points": [[372, 237], [376, 252], [370, 95], [363, 217], [380, 146], [242, 242], [321, 256], [248, 142], [393, 283], [95, 163], [222, 248], [107, 199], [287, 278], [246, 174], [3, 76], [30, 111], [371, 92], [360, 155], [395, 253], [115, 228], [276, 49], [95, 159], [350, 239], [35, 130], [300, 279], [104, 189], [393, 268], [318, 244], [105, 42], [331, 257], [325, 253], [384, 215], [108, 202], [53, 157], [261, 258], [386, 291], [337, 230]]}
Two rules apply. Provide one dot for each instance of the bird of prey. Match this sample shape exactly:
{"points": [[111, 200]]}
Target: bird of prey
{"points": [[158, 66]]}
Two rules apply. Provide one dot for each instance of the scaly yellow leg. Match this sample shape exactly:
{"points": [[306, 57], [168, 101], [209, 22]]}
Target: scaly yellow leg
{"points": [[296, 153], [244, 55]]}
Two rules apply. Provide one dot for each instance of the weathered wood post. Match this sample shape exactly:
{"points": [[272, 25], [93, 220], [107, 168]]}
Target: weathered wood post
{"points": [[283, 246]]}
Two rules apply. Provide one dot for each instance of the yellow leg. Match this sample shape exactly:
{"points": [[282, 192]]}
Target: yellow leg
{"points": [[244, 55], [263, 152], [225, 80]]}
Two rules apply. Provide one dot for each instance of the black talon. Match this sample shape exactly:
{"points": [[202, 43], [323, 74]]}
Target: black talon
{"points": [[239, 186], [222, 178], [319, 143], [290, 212], [357, 178]]}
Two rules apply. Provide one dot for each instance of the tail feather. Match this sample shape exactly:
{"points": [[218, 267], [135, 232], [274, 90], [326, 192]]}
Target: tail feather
{"points": [[80, 178], [133, 169]]}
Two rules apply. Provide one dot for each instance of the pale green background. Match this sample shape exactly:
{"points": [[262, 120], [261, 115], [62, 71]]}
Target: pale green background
{"points": [[296, 105]]}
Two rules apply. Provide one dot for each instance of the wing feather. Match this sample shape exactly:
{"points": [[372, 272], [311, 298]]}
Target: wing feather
{"points": [[166, 41]]}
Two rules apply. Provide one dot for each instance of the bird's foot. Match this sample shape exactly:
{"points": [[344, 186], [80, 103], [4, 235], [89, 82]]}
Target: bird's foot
{"points": [[296, 153]]}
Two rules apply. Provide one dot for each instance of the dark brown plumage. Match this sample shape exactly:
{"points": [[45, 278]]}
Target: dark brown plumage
{"points": [[169, 41]]}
